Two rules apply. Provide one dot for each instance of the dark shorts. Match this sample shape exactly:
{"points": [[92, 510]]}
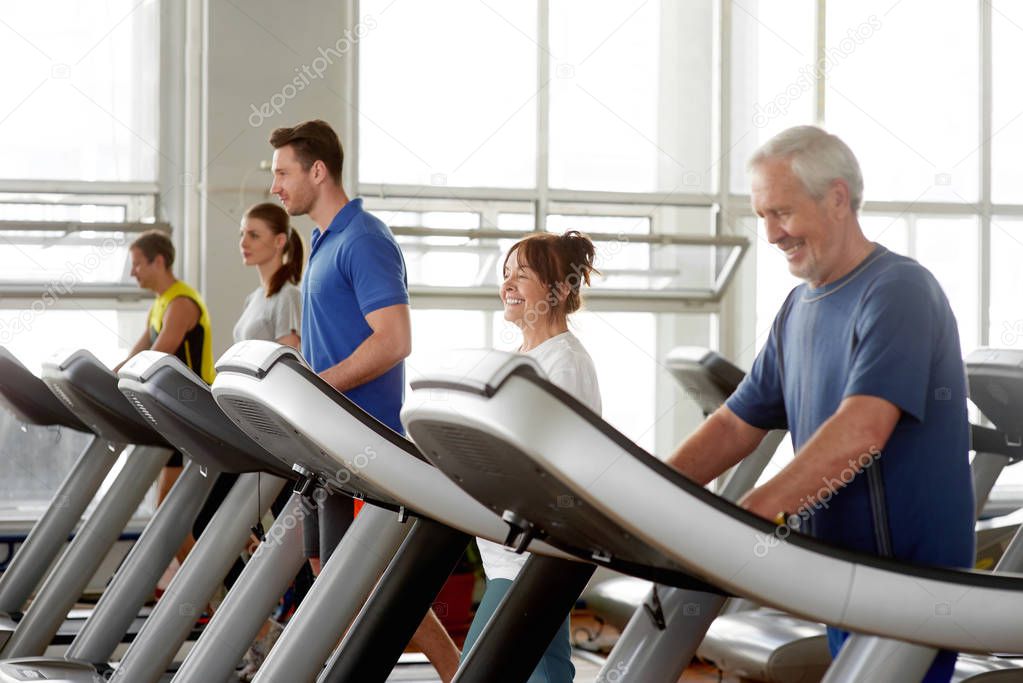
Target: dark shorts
{"points": [[311, 530], [213, 501], [323, 528]]}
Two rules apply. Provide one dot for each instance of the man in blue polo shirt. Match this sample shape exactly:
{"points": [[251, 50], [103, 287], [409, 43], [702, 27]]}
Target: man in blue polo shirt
{"points": [[356, 329], [863, 367]]}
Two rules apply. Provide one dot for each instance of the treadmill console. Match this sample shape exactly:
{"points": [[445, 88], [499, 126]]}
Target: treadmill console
{"points": [[705, 375]]}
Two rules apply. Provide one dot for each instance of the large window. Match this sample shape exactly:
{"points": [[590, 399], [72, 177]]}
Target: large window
{"points": [[79, 122], [594, 117], [79, 94], [934, 134]]}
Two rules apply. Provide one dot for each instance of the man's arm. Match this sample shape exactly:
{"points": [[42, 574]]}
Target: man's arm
{"points": [[388, 345], [181, 316], [721, 441], [847, 442], [292, 340], [141, 345]]}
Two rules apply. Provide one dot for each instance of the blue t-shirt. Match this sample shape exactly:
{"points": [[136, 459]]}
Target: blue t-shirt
{"points": [[355, 267], [884, 330]]}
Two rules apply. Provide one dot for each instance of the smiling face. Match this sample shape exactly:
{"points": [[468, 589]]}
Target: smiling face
{"points": [[525, 298], [808, 230], [258, 243], [292, 184]]}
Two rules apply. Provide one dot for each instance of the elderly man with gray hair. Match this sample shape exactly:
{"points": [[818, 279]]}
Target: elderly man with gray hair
{"points": [[862, 366]]}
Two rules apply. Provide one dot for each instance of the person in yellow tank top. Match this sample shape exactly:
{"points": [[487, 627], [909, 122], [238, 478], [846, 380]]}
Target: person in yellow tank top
{"points": [[178, 324]]}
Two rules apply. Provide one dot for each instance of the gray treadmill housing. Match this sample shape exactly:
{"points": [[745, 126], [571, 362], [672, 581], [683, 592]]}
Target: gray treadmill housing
{"points": [[767, 645], [554, 432], [179, 405], [278, 436], [995, 387], [29, 399], [490, 470], [89, 389], [48, 669], [275, 385]]}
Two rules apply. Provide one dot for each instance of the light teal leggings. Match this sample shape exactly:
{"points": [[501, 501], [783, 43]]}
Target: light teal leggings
{"points": [[555, 666]]}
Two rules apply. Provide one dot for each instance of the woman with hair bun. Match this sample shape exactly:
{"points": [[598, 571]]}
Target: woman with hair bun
{"points": [[274, 310], [541, 288]]}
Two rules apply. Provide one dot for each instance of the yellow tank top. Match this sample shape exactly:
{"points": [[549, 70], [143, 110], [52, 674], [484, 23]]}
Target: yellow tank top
{"points": [[196, 350]]}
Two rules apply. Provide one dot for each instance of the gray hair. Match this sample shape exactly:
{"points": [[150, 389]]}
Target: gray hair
{"points": [[817, 158]]}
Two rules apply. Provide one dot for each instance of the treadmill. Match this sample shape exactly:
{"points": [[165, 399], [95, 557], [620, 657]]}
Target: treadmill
{"points": [[761, 644], [27, 398], [178, 404], [778, 647], [768, 645], [274, 396], [709, 379], [89, 390], [542, 449]]}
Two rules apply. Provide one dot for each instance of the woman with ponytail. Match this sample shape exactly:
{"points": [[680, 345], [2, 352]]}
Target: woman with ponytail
{"points": [[541, 287], [273, 311]]}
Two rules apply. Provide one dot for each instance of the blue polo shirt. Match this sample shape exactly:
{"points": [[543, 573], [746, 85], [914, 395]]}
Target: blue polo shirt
{"points": [[884, 330], [355, 267]]}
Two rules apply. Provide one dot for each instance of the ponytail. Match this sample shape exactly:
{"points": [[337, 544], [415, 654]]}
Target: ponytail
{"points": [[294, 252], [291, 266]]}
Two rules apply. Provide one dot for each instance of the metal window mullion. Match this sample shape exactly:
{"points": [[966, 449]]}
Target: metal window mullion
{"points": [[724, 322], [986, 128], [911, 234], [383, 191], [543, 112], [351, 171], [196, 143], [84, 187], [724, 110], [819, 52], [739, 204]]}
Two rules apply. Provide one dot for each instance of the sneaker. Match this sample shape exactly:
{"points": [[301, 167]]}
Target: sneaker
{"points": [[258, 651]]}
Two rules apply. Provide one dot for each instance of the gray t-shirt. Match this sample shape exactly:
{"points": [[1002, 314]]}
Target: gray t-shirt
{"points": [[270, 319]]}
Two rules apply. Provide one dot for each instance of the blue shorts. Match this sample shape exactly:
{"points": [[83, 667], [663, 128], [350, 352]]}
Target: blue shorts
{"points": [[555, 666], [940, 671]]}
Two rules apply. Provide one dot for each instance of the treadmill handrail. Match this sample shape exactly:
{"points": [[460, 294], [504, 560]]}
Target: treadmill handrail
{"points": [[965, 577], [237, 359], [142, 374], [96, 388], [989, 440], [40, 407]]}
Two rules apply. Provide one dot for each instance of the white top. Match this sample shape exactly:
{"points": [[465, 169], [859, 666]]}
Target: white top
{"points": [[569, 366], [270, 319]]}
